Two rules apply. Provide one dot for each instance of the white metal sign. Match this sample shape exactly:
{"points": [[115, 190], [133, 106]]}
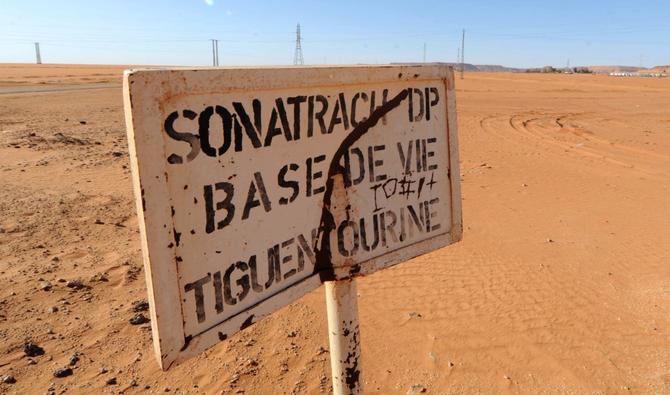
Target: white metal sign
{"points": [[255, 185]]}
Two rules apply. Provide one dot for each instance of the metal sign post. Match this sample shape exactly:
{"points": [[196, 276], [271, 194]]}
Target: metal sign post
{"points": [[344, 336]]}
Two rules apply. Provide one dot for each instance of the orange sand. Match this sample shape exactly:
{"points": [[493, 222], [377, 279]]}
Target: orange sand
{"points": [[560, 285]]}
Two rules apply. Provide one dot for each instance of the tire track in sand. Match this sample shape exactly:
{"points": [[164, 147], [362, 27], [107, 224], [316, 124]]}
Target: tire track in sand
{"points": [[564, 132]]}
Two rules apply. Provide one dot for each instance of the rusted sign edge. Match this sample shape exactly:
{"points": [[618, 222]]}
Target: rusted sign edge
{"points": [[161, 284], [454, 158]]}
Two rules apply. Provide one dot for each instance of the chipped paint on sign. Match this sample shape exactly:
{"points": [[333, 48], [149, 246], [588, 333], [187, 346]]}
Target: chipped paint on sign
{"points": [[254, 186]]}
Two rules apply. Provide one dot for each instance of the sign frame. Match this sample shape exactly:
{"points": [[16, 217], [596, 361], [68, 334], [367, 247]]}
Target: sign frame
{"points": [[149, 173]]}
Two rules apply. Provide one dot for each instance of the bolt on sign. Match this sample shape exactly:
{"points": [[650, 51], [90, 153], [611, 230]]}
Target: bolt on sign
{"points": [[255, 185]]}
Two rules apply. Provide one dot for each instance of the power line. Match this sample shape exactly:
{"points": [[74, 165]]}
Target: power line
{"points": [[97, 32], [575, 27], [571, 35], [245, 45], [297, 57]]}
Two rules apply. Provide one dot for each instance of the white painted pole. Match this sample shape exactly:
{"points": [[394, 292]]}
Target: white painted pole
{"points": [[344, 335]]}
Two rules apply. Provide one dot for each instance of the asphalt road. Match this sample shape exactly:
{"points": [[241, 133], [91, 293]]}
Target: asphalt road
{"points": [[13, 90]]}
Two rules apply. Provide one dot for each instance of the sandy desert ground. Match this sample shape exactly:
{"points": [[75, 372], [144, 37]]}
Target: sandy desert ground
{"points": [[560, 285], [57, 74]]}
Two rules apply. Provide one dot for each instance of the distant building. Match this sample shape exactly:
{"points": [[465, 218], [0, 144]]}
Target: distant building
{"points": [[637, 74]]}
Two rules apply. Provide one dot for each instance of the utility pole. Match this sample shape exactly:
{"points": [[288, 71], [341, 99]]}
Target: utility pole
{"points": [[297, 56], [215, 52], [462, 52], [38, 57], [424, 52]]}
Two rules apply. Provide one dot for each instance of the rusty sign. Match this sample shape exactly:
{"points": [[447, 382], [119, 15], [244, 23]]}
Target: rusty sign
{"points": [[255, 185]]}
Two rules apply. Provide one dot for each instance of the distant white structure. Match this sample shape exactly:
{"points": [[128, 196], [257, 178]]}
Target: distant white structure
{"points": [[637, 74]]}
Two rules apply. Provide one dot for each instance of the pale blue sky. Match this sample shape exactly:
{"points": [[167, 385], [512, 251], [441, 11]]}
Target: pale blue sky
{"points": [[176, 32]]}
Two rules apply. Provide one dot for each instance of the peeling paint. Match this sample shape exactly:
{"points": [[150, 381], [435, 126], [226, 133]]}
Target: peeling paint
{"points": [[187, 341], [248, 322]]}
